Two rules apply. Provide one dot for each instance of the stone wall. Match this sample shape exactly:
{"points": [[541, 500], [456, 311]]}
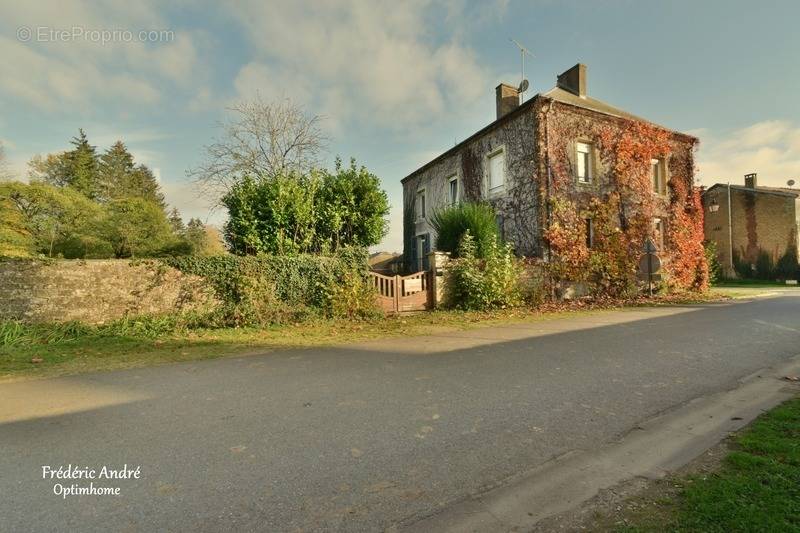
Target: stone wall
{"points": [[96, 291]]}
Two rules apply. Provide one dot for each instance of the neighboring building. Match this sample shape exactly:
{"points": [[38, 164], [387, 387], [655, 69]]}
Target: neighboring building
{"points": [[385, 262], [506, 163], [760, 220]]}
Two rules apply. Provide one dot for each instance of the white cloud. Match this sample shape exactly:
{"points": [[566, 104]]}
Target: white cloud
{"points": [[770, 148], [56, 73], [368, 62]]}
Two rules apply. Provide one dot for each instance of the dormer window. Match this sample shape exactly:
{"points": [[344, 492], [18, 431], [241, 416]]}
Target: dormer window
{"points": [[583, 165]]}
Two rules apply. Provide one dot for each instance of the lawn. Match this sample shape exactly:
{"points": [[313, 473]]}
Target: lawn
{"points": [[40, 351], [755, 488]]}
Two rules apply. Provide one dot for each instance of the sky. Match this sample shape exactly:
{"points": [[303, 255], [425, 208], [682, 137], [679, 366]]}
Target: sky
{"points": [[397, 82]]}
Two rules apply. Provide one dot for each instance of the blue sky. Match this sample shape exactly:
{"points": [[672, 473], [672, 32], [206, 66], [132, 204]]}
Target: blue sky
{"points": [[398, 82]]}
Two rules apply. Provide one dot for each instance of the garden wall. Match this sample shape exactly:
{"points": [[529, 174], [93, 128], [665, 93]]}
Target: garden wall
{"points": [[96, 291]]}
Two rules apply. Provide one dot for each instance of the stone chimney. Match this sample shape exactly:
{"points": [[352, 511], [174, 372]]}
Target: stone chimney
{"points": [[574, 80], [751, 180], [507, 97]]}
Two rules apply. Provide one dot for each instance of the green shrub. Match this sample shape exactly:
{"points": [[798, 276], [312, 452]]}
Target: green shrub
{"points": [[714, 268], [478, 283], [764, 266], [268, 289], [451, 223], [786, 267]]}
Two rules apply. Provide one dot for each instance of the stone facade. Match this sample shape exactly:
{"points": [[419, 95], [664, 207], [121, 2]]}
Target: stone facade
{"points": [[761, 219], [520, 133], [95, 291]]}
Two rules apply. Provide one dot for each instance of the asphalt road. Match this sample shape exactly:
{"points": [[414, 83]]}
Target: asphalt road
{"points": [[366, 437]]}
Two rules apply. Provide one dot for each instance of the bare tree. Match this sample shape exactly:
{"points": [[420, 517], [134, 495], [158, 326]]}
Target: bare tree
{"points": [[261, 140]]}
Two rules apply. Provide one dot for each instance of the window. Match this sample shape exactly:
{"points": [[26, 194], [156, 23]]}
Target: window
{"points": [[453, 190], [584, 162], [589, 230], [421, 204], [658, 227], [497, 171], [658, 174]]}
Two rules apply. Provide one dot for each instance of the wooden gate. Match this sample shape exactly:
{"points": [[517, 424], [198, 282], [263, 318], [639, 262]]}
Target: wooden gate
{"points": [[398, 294]]}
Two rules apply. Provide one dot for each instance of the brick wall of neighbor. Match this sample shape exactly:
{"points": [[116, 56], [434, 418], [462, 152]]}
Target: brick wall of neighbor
{"points": [[760, 221], [95, 291]]}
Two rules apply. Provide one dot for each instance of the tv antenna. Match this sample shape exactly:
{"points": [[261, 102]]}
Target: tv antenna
{"points": [[523, 84]]}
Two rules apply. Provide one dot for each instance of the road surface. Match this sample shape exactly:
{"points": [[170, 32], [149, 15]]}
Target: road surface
{"points": [[364, 437]]}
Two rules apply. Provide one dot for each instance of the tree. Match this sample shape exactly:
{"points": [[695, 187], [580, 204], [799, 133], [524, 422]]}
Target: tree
{"points": [[136, 227], [50, 220], [83, 167], [121, 177], [204, 240], [175, 220], [276, 216], [263, 140], [353, 207], [315, 212]]}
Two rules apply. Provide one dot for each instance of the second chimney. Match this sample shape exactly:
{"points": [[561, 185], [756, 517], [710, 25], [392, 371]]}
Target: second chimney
{"points": [[751, 180], [507, 97], [574, 80]]}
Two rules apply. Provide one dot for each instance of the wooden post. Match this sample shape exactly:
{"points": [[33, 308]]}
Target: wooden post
{"points": [[398, 287]]}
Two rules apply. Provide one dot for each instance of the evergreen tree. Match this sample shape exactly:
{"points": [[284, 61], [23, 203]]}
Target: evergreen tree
{"points": [[116, 164], [122, 178], [176, 221], [82, 165]]}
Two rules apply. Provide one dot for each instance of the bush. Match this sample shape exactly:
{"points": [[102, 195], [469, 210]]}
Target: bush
{"points": [[452, 223], [786, 267], [714, 268], [478, 283], [267, 289]]}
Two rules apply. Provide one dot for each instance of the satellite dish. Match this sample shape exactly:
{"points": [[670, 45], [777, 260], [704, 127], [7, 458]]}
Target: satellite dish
{"points": [[790, 183], [523, 86]]}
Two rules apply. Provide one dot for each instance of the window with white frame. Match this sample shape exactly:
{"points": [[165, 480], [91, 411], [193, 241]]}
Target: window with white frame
{"points": [[421, 204], [658, 173], [583, 159], [497, 171], [452, 191]]}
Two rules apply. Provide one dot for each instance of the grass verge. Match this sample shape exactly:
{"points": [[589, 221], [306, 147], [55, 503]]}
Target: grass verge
{"points": [[755, 487], [48, 350]]}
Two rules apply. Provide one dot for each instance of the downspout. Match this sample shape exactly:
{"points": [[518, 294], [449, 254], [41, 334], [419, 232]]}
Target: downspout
{"points": [[730, 231], [548, 183]]}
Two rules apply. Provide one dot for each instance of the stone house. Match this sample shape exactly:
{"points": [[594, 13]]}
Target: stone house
{"points": [[745, 221], [509, 162]]}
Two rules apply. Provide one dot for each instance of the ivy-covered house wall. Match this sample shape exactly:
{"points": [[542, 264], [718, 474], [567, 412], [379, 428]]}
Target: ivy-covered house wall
{"points": [[585, 184], [513, 136]]}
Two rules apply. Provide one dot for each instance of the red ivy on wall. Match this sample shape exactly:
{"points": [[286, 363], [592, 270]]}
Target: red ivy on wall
{"points": [[621, 205]]}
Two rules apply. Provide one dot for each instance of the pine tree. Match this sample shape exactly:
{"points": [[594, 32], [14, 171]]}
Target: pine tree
{"points": [[121, 177], [116, 164], [82, 165], [176, 221]]}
